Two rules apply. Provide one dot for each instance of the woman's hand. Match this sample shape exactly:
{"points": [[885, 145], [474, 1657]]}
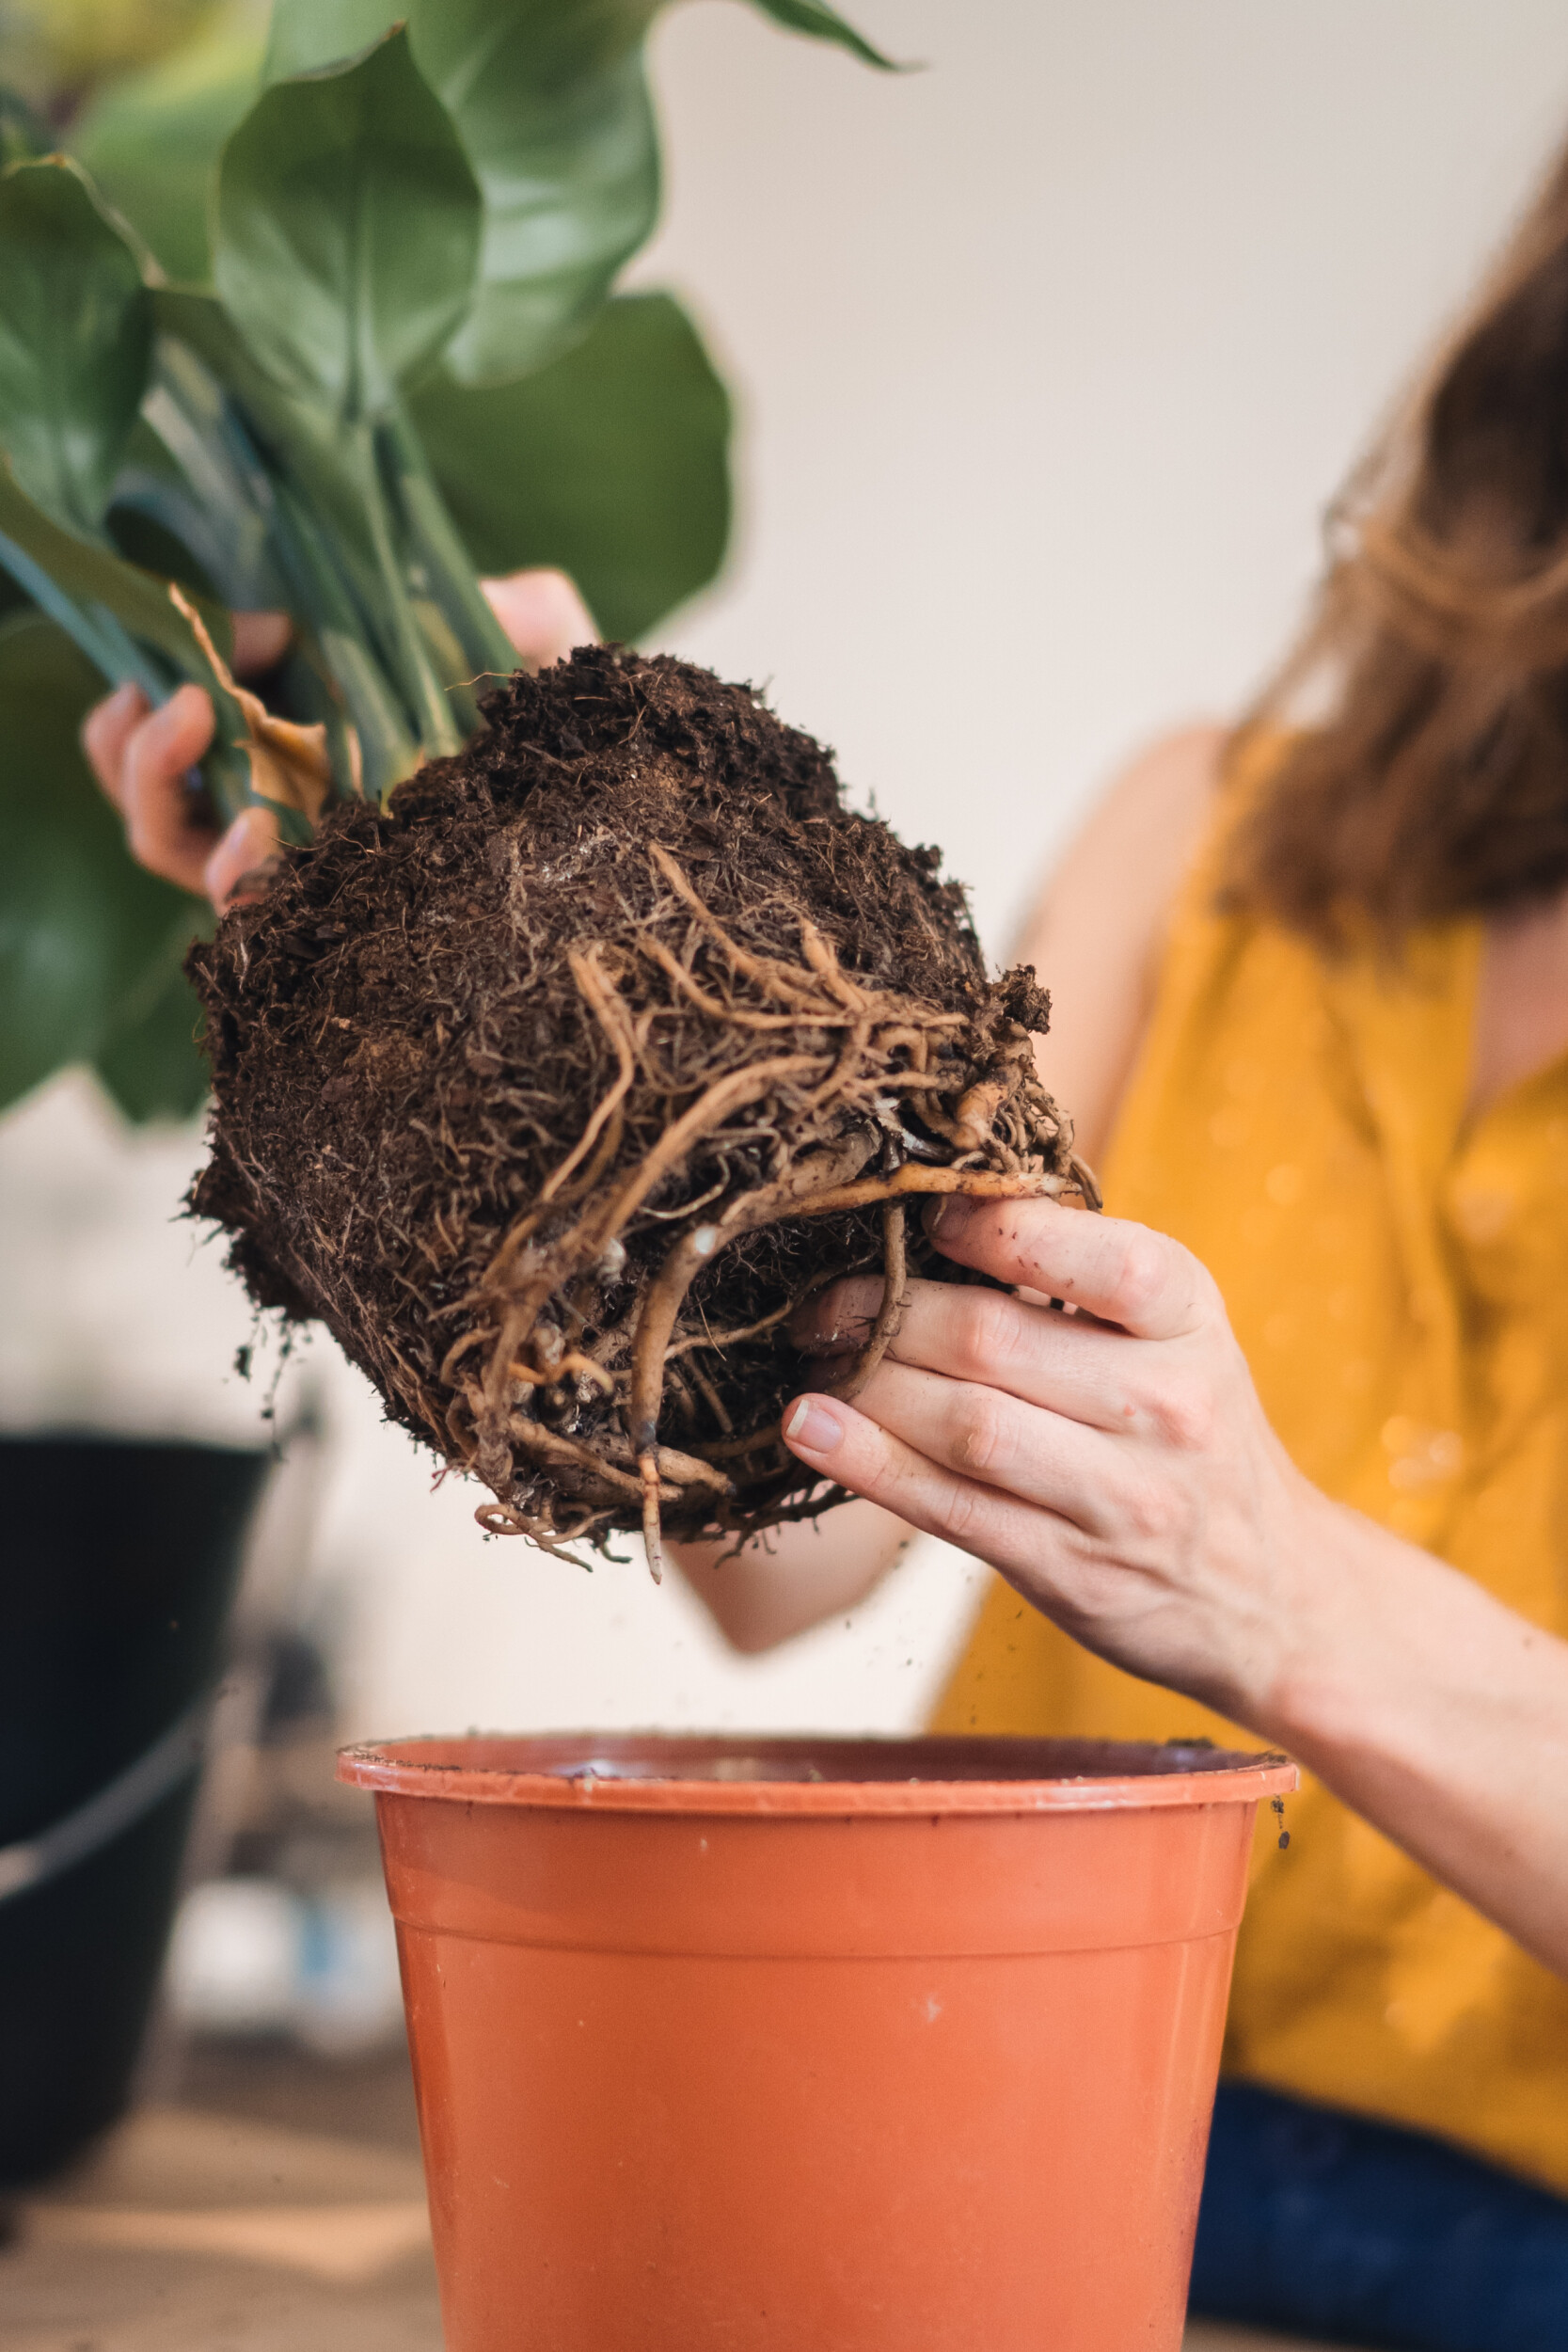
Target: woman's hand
{"points": [[1116, 1465], [143, 757], [1113, 1463]]}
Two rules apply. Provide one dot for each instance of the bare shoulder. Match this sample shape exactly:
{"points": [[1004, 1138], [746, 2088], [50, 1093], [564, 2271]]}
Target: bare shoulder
{"points": [[1097, 929]]}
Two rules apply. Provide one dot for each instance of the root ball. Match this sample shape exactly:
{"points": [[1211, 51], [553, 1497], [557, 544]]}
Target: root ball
{"points": [[553, 1088]]}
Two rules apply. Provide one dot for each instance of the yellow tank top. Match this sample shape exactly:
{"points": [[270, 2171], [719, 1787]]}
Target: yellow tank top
{"points": [[1397, 1276]]}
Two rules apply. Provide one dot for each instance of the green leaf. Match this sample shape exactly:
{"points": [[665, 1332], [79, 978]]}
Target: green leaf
{"points": [[97, 582], [611, 464], [152, 1065], [85, 935], [305, 35], [551, 100], [820, 23], [348, 227], [75, 334], [212, 534], [151, 141], [552, 103], [152, 546], [124, 620]]}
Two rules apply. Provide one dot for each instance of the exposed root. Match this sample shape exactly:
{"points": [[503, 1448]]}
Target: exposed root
{"points": [[652, 1524], [1087, 1183], [558, 1092], [890, 1314]]}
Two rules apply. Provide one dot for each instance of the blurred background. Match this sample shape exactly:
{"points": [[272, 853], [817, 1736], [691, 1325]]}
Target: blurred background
{"points": [[1047, 357]]}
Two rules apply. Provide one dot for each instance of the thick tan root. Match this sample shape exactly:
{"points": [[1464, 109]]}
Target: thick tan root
{"points": [[890, 1314], [652, 1527], [862, 1054]]}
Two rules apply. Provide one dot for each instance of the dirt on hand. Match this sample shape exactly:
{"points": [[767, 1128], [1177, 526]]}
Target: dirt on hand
{"points": [[553, 1088]]}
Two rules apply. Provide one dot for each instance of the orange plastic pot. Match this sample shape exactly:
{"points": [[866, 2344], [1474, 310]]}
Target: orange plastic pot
{"points": [[813, 2045]]}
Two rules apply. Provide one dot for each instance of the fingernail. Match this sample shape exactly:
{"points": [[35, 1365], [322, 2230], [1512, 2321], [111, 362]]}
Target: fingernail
{"points": [[813, 1427], [125, 697]]}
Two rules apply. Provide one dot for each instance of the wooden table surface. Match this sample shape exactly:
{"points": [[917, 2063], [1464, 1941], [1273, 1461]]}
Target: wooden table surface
{"points": [[196, 2231]]}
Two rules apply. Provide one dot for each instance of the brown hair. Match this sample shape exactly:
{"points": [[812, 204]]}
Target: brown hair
{"points": [[1437, 782]]}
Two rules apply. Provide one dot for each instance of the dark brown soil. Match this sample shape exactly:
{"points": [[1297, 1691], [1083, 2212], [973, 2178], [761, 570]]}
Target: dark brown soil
{"points": [[552, 1088]]}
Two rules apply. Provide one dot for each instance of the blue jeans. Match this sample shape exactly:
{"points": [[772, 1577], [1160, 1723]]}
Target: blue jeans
{"points": [[1326, 2225]]}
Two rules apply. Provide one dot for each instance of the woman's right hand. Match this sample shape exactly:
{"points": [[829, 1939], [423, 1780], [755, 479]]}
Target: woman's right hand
{"points": [[143, 757]]}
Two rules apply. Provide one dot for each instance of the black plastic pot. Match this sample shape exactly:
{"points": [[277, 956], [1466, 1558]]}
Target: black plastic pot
{"points": [[119, 1560]]}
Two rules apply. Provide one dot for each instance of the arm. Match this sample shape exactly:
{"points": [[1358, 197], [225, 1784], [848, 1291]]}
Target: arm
{"points": [[1114, 1463], [1095, 936], [782, 1584]]}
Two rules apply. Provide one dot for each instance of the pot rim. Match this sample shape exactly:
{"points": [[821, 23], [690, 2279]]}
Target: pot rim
{"points": [[619, 1773]]}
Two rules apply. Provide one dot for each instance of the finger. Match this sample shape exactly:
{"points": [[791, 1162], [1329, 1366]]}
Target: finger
{"points": [[260, 639], [243, 862], [1071, 1364], [543, 614], [1123, 1273], [106, 730], [981, 1433], [164, 832], [851, 1448]]}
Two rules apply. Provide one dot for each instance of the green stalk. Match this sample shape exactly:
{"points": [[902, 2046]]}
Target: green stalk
{"points": [[424, 691], [387, 749], [110, 647], [106, 643], [199, 422], [435, 541]]}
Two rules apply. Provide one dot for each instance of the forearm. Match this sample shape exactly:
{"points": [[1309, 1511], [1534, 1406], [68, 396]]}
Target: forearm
{"points": [[1438, 1713], [782, 1584]]}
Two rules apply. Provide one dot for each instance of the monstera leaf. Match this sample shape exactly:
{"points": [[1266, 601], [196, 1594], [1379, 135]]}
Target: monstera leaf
{"points": [[611, 463], [90, 943], [348, 231], [551, 100], [75, 330], [126, 606]]}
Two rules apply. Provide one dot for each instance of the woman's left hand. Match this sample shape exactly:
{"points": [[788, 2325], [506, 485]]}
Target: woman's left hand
{"points": [[1113, 1463], [142, 757]]}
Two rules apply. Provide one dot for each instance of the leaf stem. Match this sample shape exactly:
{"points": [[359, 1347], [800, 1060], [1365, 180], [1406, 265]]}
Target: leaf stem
{"points": [[210, 438], [106, 643], [387, 749], [439, 548], [425, 692]]}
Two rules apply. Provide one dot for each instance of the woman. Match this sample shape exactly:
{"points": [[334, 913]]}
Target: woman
{"points": [[1293, 1461]]}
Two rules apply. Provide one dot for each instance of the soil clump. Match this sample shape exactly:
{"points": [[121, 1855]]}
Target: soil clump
{"points": [[552, 1087]]}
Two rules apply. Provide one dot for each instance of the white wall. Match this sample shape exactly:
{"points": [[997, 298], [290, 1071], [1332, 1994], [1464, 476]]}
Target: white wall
{"points": [[1048, 358], [1050, 354]]}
